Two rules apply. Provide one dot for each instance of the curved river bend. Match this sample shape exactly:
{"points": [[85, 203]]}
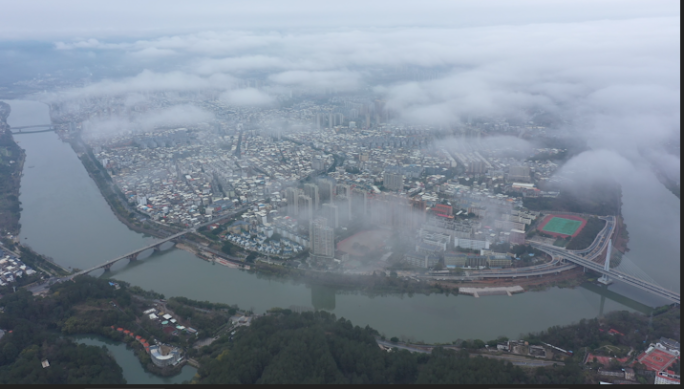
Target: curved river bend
{"points": [[66, 217]]}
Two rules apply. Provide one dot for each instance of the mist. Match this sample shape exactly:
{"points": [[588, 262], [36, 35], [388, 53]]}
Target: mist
{"points": [[607, 73]]}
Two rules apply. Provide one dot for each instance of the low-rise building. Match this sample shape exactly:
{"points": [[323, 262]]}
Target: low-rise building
{"points": [[163, 355]]}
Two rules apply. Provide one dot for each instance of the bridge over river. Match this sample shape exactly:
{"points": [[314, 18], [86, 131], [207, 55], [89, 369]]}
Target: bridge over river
{"points": [[156, 246], [22, 128], [584, 258]]}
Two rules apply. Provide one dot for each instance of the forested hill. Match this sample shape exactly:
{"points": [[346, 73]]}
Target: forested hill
{"points": [[32, 335], [315, 347], [597, 198], [282, 346], [11, 160]]}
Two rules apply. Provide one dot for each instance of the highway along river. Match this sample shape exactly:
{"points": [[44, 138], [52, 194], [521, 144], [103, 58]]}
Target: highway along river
{"points": [[64, 216]]}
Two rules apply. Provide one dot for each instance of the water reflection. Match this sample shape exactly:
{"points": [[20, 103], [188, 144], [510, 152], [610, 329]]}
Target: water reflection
{"points": [[133, 371], [67, 218], [323, 297]]}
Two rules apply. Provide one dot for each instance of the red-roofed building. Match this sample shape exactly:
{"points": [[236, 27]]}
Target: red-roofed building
{"points": [[604, 360], [657, 359], [614, 332], [443, 209], [119, 329]]}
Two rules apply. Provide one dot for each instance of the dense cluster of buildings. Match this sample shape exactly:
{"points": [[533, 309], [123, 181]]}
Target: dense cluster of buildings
{"points": [[308, 170], [11, 268]]}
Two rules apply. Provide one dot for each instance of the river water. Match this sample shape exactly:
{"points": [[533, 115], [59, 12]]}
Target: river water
{"points": [[133, 371], [66, 217]]}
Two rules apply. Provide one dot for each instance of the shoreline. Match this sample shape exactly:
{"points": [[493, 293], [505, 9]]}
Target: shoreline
{"points": [[361, 283]]}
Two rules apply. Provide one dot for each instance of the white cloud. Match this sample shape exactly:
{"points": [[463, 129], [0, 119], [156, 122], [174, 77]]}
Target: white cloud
{"points": [[148, 81], [180, 115], [246, 97], [319, 80]]}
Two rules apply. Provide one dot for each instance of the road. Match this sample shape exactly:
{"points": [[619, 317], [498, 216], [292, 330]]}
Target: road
{"points": [[518, 360], [553, 267], [612, 273]]}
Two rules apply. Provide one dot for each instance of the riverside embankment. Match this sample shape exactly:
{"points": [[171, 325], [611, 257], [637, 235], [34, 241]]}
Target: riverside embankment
{"points": [[66, 217]]}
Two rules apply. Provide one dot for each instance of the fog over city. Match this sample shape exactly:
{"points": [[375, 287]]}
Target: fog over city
{"points": [[607, 73], [454, 177]]}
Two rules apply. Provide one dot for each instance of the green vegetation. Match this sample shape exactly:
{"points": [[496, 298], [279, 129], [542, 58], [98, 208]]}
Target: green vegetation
{"points": [[280, 347], [500, 247], [11, 164], [38, 261], [70, 363], [635, 327], [560, 242], [33, 338], [316, 347], [523, 252], [229, 248], [597, 199], [587, 235], [209, 320], [375, 284]]}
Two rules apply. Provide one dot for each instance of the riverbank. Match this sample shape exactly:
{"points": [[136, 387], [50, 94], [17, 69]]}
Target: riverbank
{"points": [[111, 195], [567, 279], [12, 159], [371, 284]]}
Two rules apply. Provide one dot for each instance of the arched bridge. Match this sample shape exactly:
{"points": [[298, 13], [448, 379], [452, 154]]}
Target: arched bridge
{"points": [[132, 256], [156, 246]]}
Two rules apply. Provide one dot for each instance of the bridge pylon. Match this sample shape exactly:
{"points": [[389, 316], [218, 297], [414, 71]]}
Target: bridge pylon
{"points": [[133, 257], [107, 267]]}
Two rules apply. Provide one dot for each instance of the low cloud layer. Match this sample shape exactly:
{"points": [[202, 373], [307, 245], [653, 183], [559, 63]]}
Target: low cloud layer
{"points": [[247, 97], [609, 70], [180, 115]]}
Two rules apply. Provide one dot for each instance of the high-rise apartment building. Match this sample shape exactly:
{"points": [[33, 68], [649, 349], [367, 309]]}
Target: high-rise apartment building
{"points": [[311, 190], [393, 181], [326, 190], [292, 197], [331, 213], [322, 238], [305, 207], [344, 190], [344, 205]]}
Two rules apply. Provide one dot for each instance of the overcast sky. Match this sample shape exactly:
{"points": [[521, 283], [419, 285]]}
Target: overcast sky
{"points": [[612, 65], [66, 19]]}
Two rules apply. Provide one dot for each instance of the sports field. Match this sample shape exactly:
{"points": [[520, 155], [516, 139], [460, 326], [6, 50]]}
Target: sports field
{"points": [[562, 226]]}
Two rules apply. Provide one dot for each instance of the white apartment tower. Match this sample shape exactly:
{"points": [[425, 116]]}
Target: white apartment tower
{"points": [[322, 238]]}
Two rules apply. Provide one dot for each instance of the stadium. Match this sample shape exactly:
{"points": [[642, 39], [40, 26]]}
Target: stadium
{"points": [[561, 226]]}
